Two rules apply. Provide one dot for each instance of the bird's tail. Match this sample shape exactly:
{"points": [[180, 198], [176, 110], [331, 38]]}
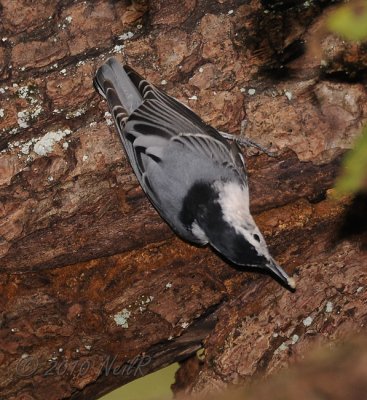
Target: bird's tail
{"points": [[113, 82]]}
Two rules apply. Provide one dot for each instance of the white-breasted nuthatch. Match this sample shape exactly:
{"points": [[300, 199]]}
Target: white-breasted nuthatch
{"points": [[194, 177]]}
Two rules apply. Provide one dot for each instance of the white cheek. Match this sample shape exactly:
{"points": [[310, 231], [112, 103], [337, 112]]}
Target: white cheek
{"points": [[234, 200], [260, 247]]}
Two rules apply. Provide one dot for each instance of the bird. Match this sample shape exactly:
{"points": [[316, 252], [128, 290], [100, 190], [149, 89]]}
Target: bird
{"points": [[194, 177]]}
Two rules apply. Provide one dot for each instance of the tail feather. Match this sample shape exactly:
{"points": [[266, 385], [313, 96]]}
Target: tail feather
{"points": [[115, 85]]}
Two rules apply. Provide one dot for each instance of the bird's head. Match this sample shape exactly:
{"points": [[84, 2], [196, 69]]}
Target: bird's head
{"points": [[223, 218]]}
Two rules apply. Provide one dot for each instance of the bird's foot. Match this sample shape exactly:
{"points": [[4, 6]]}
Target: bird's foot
{"points": [[246, 142]]}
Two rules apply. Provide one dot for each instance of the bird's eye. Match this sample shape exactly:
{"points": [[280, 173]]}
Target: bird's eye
{"points": [[256, 237]]}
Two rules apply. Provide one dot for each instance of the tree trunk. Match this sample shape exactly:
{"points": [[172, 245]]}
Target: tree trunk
{"points": [[334, 372], [95, 288]]}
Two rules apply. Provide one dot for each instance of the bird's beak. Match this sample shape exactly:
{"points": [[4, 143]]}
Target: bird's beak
{"points": [[281, 274]]}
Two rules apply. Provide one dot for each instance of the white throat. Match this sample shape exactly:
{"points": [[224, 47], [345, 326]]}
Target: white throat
{"points": [[235, 203]]}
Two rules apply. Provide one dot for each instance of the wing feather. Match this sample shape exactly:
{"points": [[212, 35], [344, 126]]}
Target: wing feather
{"points": [[154, 120]]}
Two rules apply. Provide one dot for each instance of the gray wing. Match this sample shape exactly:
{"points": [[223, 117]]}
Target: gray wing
{"points": [[161, 120], [163, 138]]}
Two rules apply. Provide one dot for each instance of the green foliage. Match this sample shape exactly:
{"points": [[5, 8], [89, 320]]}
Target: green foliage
{"points": [[350, 21], [354, 171]]}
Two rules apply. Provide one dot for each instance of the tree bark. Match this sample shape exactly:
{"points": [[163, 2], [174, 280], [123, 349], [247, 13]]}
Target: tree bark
{"points": [[95, 288], [334, 372]]}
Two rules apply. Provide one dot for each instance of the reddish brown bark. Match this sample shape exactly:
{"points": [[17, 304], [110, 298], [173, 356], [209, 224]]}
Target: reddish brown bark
{"points": [[331, 372], [89, 273]]}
